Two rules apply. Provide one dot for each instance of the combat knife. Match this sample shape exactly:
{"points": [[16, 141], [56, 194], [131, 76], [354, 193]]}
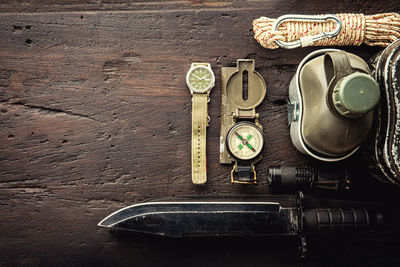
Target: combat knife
{"points": [[185, 218]]}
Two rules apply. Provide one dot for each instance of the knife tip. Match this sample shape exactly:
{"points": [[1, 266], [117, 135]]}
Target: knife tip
{"points": [[103, 223]]}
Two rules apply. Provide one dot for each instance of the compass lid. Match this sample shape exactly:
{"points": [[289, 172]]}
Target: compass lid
{"points": [[246, 88]]}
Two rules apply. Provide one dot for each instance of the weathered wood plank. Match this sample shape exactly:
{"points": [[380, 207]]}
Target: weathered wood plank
{"points": [[271, 6]]}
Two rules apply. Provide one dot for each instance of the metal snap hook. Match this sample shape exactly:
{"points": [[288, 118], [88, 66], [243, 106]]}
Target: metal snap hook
{"points": [[307, 40]]}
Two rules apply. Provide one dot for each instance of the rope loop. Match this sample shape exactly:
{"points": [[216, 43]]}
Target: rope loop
{"points": [[374, 30]]}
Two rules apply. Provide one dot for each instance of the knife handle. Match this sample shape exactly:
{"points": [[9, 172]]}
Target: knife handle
{"points": [[340, 220]]}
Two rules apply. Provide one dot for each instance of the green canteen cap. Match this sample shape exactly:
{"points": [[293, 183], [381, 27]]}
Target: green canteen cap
{"points": [[355, 95]]}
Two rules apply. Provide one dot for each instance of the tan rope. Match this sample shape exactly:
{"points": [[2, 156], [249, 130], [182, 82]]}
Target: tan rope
{"points": [[374, 30]]}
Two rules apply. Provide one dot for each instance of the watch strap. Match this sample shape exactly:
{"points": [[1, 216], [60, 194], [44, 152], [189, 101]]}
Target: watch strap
{"points": [[199, 125], [201, 64]]}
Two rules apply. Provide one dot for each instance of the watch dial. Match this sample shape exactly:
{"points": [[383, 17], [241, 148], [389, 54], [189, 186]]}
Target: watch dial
{"points": [[245, 141], [200, 79]]}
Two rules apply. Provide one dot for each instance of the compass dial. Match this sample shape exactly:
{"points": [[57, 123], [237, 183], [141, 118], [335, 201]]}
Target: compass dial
{"points": [[200, 79], [245, 140]]}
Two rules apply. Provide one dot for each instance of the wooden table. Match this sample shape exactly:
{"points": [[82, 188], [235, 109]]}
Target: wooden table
{"points": [[95, 116]]}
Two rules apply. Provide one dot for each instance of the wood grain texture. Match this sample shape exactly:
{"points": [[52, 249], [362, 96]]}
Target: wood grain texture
{"points": [[95, 115]]}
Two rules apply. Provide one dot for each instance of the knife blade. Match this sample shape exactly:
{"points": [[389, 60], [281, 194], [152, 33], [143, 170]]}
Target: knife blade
{"points": [[205, 218]]}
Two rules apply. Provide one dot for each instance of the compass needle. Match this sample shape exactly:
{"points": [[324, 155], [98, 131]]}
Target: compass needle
{"points": [[239, 136], [252, 148]]}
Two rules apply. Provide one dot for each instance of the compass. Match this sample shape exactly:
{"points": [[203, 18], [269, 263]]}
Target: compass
{"points": [[243, 89], [200, 79], [245, 141]]}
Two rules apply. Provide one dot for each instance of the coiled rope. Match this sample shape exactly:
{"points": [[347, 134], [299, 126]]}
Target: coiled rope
{"points": [[373, 30]]}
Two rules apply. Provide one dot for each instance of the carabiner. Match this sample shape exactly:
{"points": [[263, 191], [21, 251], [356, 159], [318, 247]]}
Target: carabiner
{"points": [[307, 40]]}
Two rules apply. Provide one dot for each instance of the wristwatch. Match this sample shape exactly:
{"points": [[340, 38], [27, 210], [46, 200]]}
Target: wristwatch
{"points": [[200, 79], [241, 139]]}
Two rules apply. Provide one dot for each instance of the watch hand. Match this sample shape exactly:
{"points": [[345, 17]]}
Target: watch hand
{"points": [[196, 76], [204, 77]]}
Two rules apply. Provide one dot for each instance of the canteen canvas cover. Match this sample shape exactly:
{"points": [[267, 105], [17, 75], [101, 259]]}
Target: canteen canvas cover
{"points": [[384, 144]]}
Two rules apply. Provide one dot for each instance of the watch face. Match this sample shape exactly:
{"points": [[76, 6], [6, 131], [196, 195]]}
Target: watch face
{"points": [[200, 79], [245, 140]]}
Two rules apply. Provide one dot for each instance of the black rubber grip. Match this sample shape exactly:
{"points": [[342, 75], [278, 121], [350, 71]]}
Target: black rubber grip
{"points": [[336, 220]]}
